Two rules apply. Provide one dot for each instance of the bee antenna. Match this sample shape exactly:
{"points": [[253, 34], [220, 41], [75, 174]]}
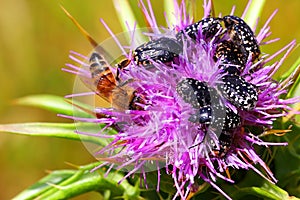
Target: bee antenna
{"points": [[81, 29]]}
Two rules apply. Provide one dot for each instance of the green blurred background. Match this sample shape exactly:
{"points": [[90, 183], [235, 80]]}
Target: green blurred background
{"points": [[35, 38]]}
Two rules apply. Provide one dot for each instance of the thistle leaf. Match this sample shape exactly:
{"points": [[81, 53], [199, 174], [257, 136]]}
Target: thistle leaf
{"points": [[44, 184], [287, 162], [266, 191], [58, 130], [65, 184], [53, 103]]}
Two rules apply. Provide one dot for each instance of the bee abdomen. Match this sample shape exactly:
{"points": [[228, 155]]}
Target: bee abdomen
{"points": [[102, 76], [98, 65]]}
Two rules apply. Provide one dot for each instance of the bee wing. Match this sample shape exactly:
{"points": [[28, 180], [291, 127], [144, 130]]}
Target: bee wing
{"points": [[122, 97], [96, 73]]}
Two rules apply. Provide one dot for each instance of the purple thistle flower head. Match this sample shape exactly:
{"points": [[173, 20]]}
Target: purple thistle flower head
{"points": [[187, 99]]}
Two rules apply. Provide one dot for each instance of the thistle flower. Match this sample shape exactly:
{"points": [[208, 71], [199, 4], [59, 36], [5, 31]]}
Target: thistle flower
{"points": [[156, 117]]}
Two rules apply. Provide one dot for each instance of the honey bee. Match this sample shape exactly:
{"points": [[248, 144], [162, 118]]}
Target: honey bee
{"points": [[103, 81], [111, 88]]}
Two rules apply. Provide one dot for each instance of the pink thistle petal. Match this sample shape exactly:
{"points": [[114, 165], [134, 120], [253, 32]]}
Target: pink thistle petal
{"points": [[162, 131]]}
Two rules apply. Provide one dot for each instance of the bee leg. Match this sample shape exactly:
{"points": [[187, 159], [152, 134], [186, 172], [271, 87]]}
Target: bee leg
{"points": [[121, 66]]}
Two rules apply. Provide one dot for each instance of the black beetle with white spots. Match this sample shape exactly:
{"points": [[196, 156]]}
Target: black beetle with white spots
{"points": [[235, 44]]}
